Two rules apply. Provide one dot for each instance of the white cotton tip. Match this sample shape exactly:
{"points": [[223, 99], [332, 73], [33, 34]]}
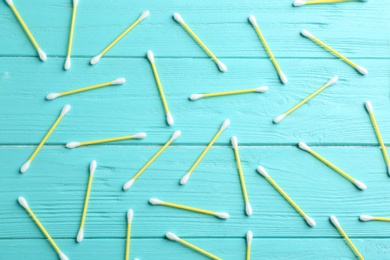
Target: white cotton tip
{"points": [[310, 221], [172, 236], [75, 2], [261, 89], [234, 142], [95, 59], [150, 56], [155, 201], [92, 167], [9, 2], [128, 184], [279, 118], [170, 120], [42, 55], [72, 145], [225, 124], [185, 178], [119, 81], [144, 15], [388, 169], [299, 3], [262, 171], [248, 209], [196, 96], [366, 218], [222, 215], [362, 70], [52, 96], [304, 146], [175, 135], [249, 238], [22, 201], [63, 256], [360, 185], [140, 135], [67, 63], [25, 166], [306, 33], [334, 221], [130, 215], [283, 77], [369, 106], [332, 80], [222, 67], [178, 18], [65, 110], [80, 235], [252, 19]]}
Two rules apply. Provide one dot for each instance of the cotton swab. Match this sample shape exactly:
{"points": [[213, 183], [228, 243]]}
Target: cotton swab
{"points": [[96, 59], [150, 56], [282, 76], [225, 93], [130, 215], [92, 168], [248, 208], [222, 215], [121, 138], [173, 237], [26, 165], [306, 148], [313, 2], [129, 183], [282, 116], [22, 201], [249, 237], [186, 177], [118, 81], [360, 69], [370, 111], [370, 218], [67, 61], [42, 54], [180, 20], [308, 219], [336, 223]]}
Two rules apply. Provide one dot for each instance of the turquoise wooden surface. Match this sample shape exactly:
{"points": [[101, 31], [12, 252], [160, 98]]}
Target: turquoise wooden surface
{"points": [[335, 123]]}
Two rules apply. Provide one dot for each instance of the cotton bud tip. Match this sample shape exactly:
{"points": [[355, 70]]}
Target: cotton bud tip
{"points": [[334, 221], [222, 67], [92, 167], [310, 221], [252, 19], [172, 236], [140, 135], [95, 59], [366, 218], [304, 146], [72, 145], [119, 81], [234, 142], [150, 56], [80, 235], [369, 106], [306, 34], [154, 201], [42, 55], [130, 215], [249, 237], [22, 201], [67, 63], [262, 171], [144, 15], [52, 96], [195, 96], [128, 184], [178, 18], [283, 77], [299, 3], [248, 209], [185, 178], [65, 110], [175, 135], [225, 124], [25, 166], [222, 215], [279, 118], [261, 89]]}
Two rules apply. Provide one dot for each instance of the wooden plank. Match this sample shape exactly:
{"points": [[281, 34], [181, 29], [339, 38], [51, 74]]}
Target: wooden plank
{"points": [[337, 116], [224, 28], [56, 182]]}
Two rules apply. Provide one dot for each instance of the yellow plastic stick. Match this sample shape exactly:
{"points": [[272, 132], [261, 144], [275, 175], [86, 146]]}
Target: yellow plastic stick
{"points": [[222, 215], [67, 61], [121, 138], [282, 76], [129, 221], [180, 20], [186, 177], [96, 59], [248, 208], [26, 165], [306, 148], [336, 223], [118, 81], [249, 237], [23, 203], [360, 69], [129, 183], [173, 237], [233, 92], [308, 220], [92, 168], [150, 56], [313, 2], [282, 116], [369, 218], [42, 55], [378, 134]]}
